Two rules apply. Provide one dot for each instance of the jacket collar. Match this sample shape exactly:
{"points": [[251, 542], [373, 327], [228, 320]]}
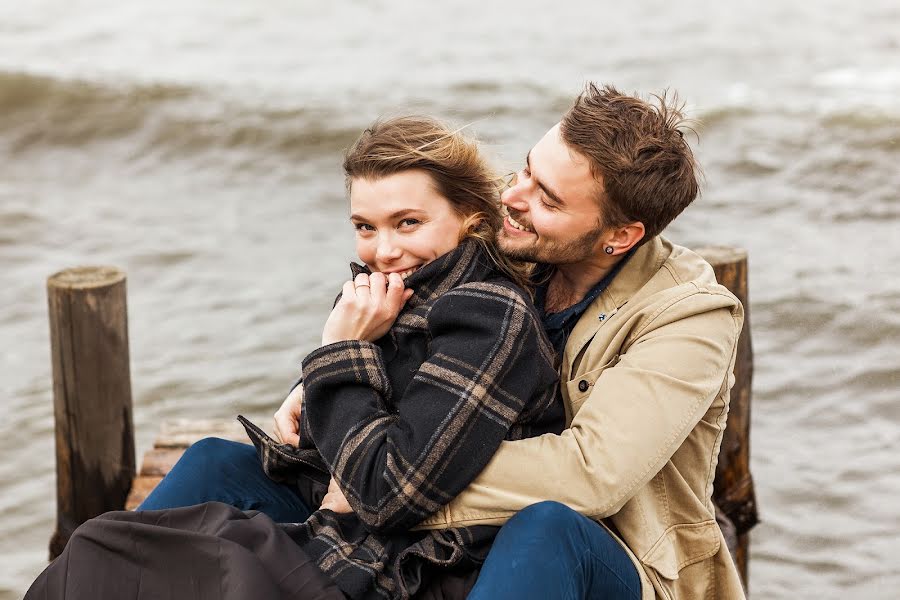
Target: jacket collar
{"points": [[467, 262], [639, 269]]}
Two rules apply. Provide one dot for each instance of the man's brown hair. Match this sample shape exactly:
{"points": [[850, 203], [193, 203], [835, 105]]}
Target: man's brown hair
{"points": [[638, 151]]}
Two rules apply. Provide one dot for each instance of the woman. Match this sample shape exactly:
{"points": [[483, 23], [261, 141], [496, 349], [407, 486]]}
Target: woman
{"points": [[430, 358]]}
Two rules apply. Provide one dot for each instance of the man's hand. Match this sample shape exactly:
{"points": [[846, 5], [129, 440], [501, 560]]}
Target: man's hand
{"points": [[335, 500], [287, 418], [368, 307]]}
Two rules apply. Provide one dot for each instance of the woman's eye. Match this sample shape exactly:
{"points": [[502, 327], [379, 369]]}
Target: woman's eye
{"points": [[409, 222], [364, 227]]}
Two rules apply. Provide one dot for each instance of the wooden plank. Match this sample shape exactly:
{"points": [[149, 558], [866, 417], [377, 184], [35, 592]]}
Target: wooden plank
{"points": [[140, 489], [159, 461], [181, 433]]}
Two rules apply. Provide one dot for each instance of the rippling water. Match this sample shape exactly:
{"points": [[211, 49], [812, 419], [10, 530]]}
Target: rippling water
{"points": [[198, 147]]}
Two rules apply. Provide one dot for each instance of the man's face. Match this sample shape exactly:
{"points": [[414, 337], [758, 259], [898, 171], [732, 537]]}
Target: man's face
{"points": [[553, 215]]}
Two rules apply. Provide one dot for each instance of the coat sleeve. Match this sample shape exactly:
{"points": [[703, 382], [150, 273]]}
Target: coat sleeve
{"points": [[398, 460], [637, 415]]}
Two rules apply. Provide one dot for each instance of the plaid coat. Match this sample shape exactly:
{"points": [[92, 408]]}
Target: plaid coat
{"points": [[407, 422]]}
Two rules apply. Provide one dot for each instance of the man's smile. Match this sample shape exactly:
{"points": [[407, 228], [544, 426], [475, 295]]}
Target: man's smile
{"points": [[511, 222]]}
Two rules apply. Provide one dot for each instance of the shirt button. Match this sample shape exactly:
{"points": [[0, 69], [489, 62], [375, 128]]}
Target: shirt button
{"points": [[583, 386]]}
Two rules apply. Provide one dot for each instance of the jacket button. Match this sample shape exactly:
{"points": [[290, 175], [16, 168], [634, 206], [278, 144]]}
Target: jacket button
{"points": [[583, 386]]}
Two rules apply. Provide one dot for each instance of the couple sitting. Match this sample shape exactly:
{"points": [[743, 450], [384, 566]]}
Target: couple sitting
{"points": [[548, 363]]}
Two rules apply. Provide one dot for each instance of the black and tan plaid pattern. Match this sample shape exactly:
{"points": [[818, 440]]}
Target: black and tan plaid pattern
{"points": [[407, 422]]}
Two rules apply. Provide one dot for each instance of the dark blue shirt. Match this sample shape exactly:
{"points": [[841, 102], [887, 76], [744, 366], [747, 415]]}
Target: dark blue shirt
{"points": [[559, 325]]}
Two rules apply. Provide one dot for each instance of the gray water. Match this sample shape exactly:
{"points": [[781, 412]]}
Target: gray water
{"points": [[197, 147]]}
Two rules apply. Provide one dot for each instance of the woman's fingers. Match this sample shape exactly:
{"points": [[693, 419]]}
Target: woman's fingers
{"points": [[368, 307], [394, 295], [361, 280], [377, 288], [377, 293], [348, 292]]}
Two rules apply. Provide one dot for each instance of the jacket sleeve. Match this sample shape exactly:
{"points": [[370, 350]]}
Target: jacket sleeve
{"points": [[398, 460], [638, 413]]}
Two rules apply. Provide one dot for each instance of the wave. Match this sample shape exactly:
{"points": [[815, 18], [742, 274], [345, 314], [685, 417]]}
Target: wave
{"points": [[163, 122], [169, 120], [20, 90], [37, 108], [38, 112]]}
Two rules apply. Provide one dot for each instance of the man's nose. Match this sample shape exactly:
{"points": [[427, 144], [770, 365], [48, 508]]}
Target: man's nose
{"points": [[515, 196]]}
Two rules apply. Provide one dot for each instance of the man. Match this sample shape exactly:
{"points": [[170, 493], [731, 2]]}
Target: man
{"points": [[647, 340]]}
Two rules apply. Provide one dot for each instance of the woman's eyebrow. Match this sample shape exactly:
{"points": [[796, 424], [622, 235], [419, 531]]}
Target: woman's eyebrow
{"points": [[550, 193], [406, 211], [394, 215]]}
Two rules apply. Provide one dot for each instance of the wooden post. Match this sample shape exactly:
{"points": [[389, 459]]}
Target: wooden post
{"points": [[92, 396], [733, 489]]}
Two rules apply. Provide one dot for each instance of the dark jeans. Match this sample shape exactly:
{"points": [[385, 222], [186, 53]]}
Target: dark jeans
{"points": [[545, 551], [228, 472]]}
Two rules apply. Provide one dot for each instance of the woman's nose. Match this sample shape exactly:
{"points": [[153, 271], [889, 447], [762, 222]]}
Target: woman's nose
{"points": [[387, 250]]}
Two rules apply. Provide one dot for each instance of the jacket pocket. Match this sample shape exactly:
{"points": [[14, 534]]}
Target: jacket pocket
{"points": [[580, 387], [681, 546]]}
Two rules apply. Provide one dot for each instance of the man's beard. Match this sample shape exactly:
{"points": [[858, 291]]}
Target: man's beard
{"points": [[553, 252]]}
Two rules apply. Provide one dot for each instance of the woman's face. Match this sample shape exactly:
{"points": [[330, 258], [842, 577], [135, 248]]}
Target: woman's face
{"points": [[401, 222]]}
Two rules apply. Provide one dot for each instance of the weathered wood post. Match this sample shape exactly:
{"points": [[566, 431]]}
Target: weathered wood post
{"points": [[733, 489], [92, 396]]}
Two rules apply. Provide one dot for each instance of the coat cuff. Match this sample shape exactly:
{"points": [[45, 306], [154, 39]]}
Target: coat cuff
{"points": [[347, 362]]}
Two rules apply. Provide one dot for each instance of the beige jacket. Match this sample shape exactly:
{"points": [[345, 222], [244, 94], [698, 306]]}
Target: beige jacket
{"points": [[645, 378]]}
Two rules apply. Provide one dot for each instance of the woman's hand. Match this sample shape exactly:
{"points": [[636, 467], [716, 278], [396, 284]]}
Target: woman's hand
{"points": [[287, 417], [367, 309], [335, 500]]}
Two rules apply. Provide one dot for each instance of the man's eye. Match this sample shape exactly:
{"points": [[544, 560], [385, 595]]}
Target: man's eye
{"points": [[546, 204], [409, 222]]}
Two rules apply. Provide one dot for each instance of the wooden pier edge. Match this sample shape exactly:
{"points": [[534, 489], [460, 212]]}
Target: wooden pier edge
{"points": [[733, 488]]}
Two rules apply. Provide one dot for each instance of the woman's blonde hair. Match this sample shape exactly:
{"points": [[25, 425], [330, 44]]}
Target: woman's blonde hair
{"points": [[456, 166]]}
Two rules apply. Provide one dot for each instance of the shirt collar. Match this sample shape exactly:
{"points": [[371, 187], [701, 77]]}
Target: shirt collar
{"points": [[560, 318]]}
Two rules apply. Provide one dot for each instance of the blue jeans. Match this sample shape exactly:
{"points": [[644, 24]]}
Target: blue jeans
{"points": [[228, 472], [546, 551]]}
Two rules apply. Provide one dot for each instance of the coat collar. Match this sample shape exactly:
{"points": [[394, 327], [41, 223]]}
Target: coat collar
{"points": [[639, 269], [467, 262]]}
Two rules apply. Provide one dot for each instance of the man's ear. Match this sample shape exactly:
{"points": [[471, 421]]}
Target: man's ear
{"points": [[626, 237]]}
